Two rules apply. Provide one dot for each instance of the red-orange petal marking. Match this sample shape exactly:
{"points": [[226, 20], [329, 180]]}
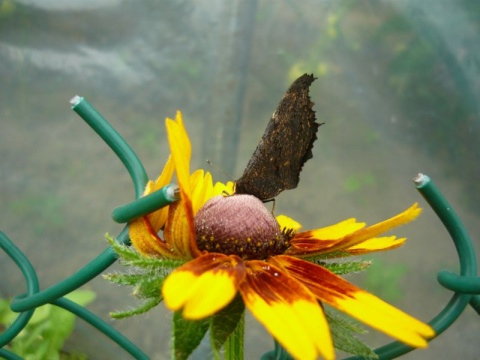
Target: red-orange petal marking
{"points": [[307, 244], [368, 308], [177, 232], [204, 285], [143, 231], [288, 310], [145, 239]]}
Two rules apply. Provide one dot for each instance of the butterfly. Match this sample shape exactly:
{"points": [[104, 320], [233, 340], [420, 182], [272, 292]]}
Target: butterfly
{"points": [[285, 145]]}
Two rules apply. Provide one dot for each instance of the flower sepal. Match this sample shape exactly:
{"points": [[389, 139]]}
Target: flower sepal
{"points": [[146, 278], [345, 334], [342, 268], [226, 329], [187, 335]]}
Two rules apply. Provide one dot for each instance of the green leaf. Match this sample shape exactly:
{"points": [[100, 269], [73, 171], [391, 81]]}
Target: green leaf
{"points": [[49, 328], [124, 278], [344, 333], [131, 257], [147, 276], [147, 305], [331, 255], [224, 323], [150, 287], [187, 335], [123, 251], [81, 297], [347, 267], [147, 286]]}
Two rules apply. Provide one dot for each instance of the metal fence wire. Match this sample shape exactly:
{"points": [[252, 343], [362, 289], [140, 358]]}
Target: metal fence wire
{"points": [[465, 286]]}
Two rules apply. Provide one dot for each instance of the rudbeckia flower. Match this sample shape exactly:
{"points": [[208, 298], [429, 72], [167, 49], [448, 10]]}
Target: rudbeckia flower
{"points": [[233, 245]]}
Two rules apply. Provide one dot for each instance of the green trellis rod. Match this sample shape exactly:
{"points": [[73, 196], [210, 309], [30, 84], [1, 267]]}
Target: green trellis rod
{"points": [[466, 286]]}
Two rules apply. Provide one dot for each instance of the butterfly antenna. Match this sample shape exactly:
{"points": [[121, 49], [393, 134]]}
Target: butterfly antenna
{"points": [[229, 176]]}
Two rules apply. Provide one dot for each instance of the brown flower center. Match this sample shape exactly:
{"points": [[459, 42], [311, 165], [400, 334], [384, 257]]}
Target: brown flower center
{"points": [[240, 225]]}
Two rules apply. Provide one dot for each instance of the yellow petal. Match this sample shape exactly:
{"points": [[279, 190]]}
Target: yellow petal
{"points": [[178, 232], [223, 189], [143, 232], [376, 244], [381, 227], [368, 308], [288, 311], [181, 150], [207, 190], [286, 222], [336, 231], [146, 240], [159, 217], [310, 243], [204, 285], [381, 316], [202, 189]]}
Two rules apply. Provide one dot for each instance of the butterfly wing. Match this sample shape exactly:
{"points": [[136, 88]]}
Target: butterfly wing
{"points": [[285, 145]]}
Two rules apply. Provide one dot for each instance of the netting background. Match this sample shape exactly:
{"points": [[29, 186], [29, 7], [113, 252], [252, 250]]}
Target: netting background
{"points": [[397, 89]]}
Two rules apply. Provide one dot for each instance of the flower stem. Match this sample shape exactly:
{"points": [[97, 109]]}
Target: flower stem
{"points": [[235, 342]]}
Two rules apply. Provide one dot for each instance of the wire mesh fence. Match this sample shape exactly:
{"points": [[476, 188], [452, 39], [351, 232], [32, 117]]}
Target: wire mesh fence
{"points": [[465, 286]]}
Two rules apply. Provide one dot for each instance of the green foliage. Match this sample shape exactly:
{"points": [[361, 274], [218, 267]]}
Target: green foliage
{"points": [[347, 267], [225, 329], [146, 276], [187, 335], [344, 333], [47, 331], [7, 8], [223, 325]]}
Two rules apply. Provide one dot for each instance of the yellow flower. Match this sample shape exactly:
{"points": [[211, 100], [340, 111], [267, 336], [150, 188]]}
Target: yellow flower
{"points": [[234, 245]]}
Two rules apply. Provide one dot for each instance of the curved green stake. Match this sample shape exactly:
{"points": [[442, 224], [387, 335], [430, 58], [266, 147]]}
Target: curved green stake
{"points": [[102, 326], [114, 140], [55, 293], [475, 303], [82, 276], [278, 353], [468, 265], [461, 284], [468, 270], [146, 204], [32, 287], [8, 355], [139, 177]]}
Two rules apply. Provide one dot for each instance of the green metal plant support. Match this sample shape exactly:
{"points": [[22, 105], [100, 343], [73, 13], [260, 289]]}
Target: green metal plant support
{"points": [[465, 286]]}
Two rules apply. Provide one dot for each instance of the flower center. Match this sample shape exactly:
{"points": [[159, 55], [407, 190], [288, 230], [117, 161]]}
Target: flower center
{"points": [[239, 225]]}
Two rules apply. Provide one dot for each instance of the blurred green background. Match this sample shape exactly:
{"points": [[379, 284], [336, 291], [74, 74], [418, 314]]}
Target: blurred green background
{"points": [[398, 89]]}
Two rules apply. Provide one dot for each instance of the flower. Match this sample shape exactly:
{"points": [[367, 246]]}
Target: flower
{"points": [[232, 244]]}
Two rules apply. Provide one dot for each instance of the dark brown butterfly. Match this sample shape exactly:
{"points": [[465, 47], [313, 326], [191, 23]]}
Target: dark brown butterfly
{"points": [[285, 146]]}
